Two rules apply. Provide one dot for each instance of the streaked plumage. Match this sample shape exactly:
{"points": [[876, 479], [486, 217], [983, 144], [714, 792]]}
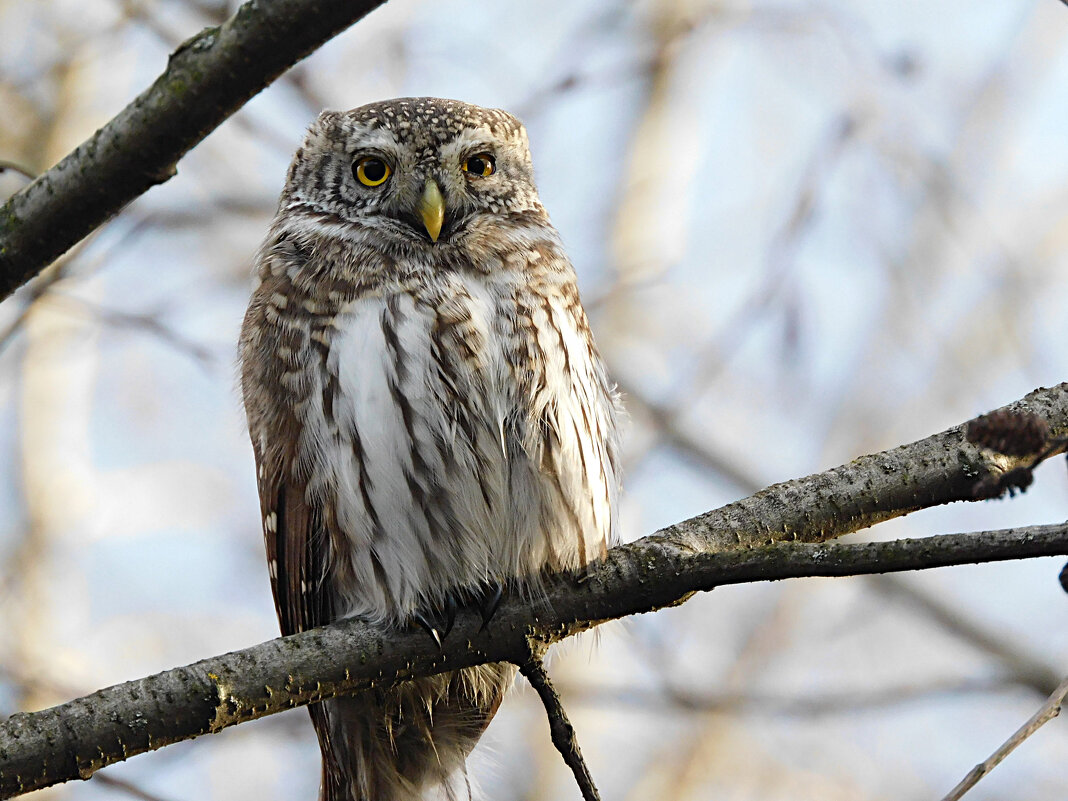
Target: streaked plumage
{"points": [[428, 417]]}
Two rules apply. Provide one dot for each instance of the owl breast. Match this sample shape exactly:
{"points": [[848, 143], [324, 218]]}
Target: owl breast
{"points": [[464, 433]]}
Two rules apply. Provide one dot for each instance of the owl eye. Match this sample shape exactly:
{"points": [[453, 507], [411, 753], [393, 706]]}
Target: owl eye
{"points": [[481, 164], [371, 171]]}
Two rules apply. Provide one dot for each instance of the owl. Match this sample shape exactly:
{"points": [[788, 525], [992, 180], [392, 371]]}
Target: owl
{"points": [[431, 421]]}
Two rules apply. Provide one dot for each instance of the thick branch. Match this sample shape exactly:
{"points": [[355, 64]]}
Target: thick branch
{"points": [[755, 539], [207, 79], [930, 472], [75, 739]]}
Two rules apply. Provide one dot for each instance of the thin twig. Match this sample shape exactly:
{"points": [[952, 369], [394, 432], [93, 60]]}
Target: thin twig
{"points": [[17, 169], [1048, 712], [1028, 668], [128, 787], [674, 701], [45, 282], [563, 733]]}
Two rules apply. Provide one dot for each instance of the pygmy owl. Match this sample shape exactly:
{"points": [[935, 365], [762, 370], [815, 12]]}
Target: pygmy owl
{"points": [[430, 417]]}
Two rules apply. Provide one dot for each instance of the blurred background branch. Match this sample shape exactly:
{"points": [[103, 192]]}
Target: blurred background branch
{"points": [[804, 230]]}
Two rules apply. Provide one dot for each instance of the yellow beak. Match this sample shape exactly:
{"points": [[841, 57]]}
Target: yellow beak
{"points": [[432, 209]]}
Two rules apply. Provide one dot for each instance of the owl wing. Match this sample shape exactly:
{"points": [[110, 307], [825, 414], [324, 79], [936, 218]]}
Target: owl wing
{"points": [[292, 529]]}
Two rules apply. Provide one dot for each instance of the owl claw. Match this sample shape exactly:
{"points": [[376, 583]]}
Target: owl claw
{"points": [[438, 621], [421, 620], [449, 613], [488, 599]]}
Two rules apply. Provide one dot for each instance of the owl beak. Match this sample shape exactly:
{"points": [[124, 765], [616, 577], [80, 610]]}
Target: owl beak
{"points": [[432, 209]]}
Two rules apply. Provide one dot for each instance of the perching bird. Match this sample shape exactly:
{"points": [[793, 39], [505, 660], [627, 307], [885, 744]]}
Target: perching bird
{"points": [[430, 417]]}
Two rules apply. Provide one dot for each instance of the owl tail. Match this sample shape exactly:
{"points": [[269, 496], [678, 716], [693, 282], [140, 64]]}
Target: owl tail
{"points": [[409, 742]]}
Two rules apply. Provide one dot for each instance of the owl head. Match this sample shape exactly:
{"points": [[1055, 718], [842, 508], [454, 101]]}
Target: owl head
{"points": [[414, 169]]}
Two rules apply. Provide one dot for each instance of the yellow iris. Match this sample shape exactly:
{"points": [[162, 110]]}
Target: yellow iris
{"points": [[481, 164], [371, 171]]}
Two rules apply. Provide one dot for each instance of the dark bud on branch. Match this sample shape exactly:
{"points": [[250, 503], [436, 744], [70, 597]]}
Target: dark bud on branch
{"points": [[1013, 481], [1008, 432], [1016, 434]]}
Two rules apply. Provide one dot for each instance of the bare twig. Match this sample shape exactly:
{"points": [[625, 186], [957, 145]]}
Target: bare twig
{"points": [[24, 173], [562, 732], [1048, 712], [44, 283], [777, 533], [674, 434], [776, 283], [1028, 669], [75, 739], [129, 788], [207, 79], [149, 323], [672, 700]]}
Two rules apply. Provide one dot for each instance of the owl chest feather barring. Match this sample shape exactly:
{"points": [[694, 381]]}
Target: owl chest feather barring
{"points": [[431, 421]]}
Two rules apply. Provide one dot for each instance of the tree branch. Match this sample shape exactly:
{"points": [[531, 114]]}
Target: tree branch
{"points": [[1048, 712], [560, 728], [672, 700], [207, 79], [756, 539], [75, 739], [1023, 666]]}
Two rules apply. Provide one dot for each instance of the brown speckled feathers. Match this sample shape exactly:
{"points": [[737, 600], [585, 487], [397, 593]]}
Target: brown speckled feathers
{"points": [[430, 418]]}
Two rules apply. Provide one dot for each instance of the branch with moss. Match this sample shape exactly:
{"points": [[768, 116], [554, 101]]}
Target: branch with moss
{"points": [[777, 533], [207, 79]]}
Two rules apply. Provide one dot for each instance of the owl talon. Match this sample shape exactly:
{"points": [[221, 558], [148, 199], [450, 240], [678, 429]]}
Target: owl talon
{"points": [[488, 599], [421, 620], [449, 613]]}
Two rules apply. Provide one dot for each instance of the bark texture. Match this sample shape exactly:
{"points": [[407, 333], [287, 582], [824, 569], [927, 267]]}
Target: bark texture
{"points": [[776, 533], [207, 79]]}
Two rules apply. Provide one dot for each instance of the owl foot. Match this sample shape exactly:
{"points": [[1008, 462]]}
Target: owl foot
{"points": [[449, 612], [488, 600], [426, 625], [437, 622]]}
